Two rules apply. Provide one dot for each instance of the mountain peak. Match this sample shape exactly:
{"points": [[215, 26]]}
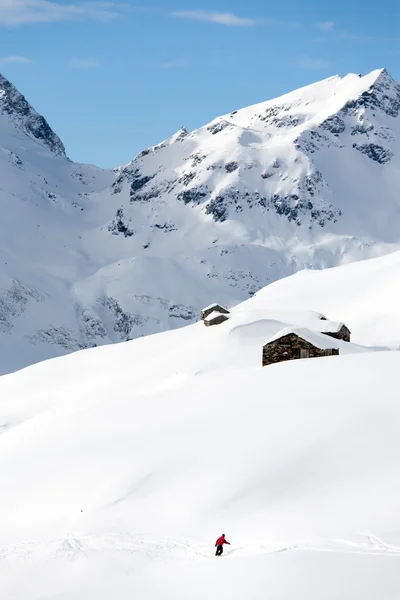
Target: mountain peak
{"points": [[381, 93], [15, 107]]}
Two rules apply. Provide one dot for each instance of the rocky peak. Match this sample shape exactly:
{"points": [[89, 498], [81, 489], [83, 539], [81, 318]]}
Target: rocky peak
{"points": [[383, 94], [14, 105]]}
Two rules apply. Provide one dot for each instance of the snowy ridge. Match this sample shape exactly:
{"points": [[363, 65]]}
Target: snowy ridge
{"points": [[91, 256], [21, 114]]}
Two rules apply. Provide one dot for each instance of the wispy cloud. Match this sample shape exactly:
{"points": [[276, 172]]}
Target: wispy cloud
{"points": [[84, 63], [15, 60], [221, 18], [354, 37], [176, 63], [313, 63], [326, 25], [21, 12]]}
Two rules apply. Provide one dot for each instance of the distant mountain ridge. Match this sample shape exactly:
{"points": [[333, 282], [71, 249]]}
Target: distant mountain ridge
{"points": [[92, 256], [14, 105]]}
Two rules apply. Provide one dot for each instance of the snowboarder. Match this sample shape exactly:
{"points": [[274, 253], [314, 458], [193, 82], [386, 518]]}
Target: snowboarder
{"points": [[220, 544]]}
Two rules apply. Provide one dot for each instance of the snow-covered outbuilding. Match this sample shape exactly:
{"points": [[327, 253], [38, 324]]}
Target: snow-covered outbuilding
{"points": [[293, 343], [337, 330], [214, 308]]}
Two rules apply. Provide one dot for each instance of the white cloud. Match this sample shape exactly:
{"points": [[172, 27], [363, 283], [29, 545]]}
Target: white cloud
{"points": [[326, 25], [228, 19], [20, 12], [15, 60], [84, 63], [368, 38], [176, 63], [313, 63]]}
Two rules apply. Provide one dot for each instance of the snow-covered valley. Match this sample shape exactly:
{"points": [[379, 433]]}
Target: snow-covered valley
{"points": [[120, 465], [91, 256]]}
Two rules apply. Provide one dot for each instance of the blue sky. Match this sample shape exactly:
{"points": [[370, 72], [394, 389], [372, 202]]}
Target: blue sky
{"points": [[115, 77]]}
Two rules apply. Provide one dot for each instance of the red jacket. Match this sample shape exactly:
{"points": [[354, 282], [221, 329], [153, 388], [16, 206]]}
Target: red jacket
{"points": [[221, 540]]}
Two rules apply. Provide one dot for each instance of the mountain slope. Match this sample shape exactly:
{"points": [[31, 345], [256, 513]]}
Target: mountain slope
{"points": [[91, 256], [120, 465]]}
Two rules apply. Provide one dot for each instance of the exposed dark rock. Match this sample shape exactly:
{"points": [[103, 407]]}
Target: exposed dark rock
{"points": [[383, 95], [143, 153], [68, 339], [13, 303], [139, 181], [334, 124], [193, 195], [187, 178], [16, 161], [123, 321], [119, 225], [165, 227], [267, 174], [362, 129], [218, 127], [13, 103], [271, 113], [196, 159], [231, 166], [287, 121], [180, 311], [374, 152], [217, 207], [93, 327]]}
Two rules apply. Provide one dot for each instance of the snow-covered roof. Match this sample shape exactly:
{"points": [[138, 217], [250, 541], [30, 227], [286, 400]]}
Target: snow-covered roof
{"points": [[214, 315], [319, 340], [214, 305], [330, 326]]}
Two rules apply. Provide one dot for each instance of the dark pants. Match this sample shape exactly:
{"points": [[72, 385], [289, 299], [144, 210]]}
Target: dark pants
{"points": [[219, 551]]}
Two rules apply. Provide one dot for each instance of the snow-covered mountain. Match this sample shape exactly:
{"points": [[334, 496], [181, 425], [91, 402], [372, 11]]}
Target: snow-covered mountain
{"points": [[120, 465], [91, 256]]}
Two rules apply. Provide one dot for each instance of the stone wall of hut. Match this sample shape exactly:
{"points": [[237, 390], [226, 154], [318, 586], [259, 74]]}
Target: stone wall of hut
{"points": [[216, 321], [289, 348]]}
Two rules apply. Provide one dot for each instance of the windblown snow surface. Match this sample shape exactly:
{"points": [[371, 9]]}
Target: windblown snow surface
{"points": [[91, 256], [120, 465]]}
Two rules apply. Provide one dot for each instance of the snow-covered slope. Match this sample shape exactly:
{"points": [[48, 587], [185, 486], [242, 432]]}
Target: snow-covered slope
{"points": [[364, 295], [92, 256], [120, 465]]}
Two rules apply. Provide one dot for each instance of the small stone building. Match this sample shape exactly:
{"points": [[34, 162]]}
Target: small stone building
{"points": [[339, 331], [215, 318], [213, 308], [292, 344]]}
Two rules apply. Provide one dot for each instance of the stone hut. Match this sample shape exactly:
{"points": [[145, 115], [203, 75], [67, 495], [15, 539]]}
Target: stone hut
{"points": [[213, 308], [339, 331], [292, 344], [215, 318]]}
